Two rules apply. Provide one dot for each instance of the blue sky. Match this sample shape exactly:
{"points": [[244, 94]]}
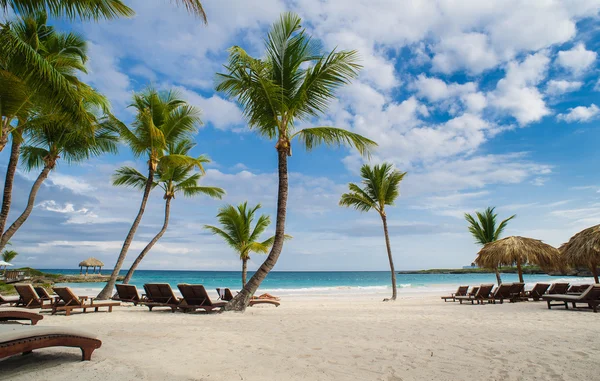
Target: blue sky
{"points": [[491, 103]]}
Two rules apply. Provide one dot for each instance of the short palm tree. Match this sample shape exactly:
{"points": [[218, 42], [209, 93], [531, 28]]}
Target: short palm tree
{"points": [[9, 255], [484, 229], [381, 187], [88, 9], [294, 82], [172, 179], [162, 119], [55, 139], [237, 231]]}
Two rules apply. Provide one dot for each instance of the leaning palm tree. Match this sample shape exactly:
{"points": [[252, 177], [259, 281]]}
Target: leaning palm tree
{"points": [[88, 9], [172, 179], [55, 139], [381, 187], [162, 119], [484, 229], [294, 82], [237, 231]]}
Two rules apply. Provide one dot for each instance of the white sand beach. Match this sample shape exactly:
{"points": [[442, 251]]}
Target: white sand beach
{"points": [[418, 337]]}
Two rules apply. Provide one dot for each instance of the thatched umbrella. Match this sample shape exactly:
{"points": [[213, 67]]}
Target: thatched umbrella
{"points": [[517, 250], [90, 262], [583, 249]]}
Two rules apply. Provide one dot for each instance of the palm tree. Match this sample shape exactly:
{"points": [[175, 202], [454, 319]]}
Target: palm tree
{"points": [[88, 9], [162, 119], [238, 232], [51, 139], [294, 82], [484, 229], [9, 255], [172, 179], [380, 188], [44, 76]]}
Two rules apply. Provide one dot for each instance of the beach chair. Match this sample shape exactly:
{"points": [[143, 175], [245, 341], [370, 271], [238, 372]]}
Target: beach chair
{"points": [[128, 293], [20, 339], [517, 292], [226, 295], [12, 314], [10, 300], [43, 294], [501, 293], [591, 297], [68, 301], [29, 298], [160, 295], [537, 291], [195, 297], [558, 288], [577, 289], [482, 294], [473, 291], [461, 291]]}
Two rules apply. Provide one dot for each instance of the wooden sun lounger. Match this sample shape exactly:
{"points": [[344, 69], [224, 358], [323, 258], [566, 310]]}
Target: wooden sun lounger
{"points": [[558, 288], [577, 288], [195, 297], [482, 294], [43, 294], [537, 291], [591, 297], [501, 293], [67, 301], [10, 314], [128, 293], [461, 291], [17, 339], [517, 292], [473, 291], [160, 295], [10, 300], [228, 296], [29, 298]]}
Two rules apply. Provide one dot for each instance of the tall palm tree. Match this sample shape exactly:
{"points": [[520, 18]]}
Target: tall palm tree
{"points": [[484, 229], [294, 82], [381, 187], [42, 77], [89, 9], [162, 118], [237, 231], [59, 138], [172, 179]]}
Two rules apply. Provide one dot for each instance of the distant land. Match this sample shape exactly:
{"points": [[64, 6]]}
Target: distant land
{"points": [[504, 270]]}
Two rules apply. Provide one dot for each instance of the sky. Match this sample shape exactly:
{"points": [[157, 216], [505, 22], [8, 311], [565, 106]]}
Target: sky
{"points": [[482, 103]]}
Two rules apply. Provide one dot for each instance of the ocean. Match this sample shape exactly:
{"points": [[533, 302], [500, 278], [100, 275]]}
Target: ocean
{"points": [[321, 282]]}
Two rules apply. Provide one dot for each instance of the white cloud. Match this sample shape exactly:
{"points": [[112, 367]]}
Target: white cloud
{"points": [[558, 87], [434, 89], [517, 93], [468, 51], [577, 59], [580, 114], [221, 113], [72, 183]]}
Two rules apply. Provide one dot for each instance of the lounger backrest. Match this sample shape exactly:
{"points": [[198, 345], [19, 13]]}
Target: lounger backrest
{"points": [[517, 288], [558, 288], [27, 294], [229, 294], [503, 291], [160, 293], [67, 295], [42, 292], [591, 293], [127, 292], [539, 289], [462, 291], [474, 290], [195, 294], [484, 291]]}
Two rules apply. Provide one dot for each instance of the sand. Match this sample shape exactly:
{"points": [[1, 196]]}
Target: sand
{"points": [[418, 337]]}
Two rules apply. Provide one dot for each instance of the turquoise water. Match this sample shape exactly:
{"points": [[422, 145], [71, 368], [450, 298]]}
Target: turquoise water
{"points": [[322, 282]]}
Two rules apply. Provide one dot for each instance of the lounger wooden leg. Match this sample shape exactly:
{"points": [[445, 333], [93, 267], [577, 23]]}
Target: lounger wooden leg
{"points": [[86, 353], [67, 312], [549, 307], [109, 308], [566, 305]]}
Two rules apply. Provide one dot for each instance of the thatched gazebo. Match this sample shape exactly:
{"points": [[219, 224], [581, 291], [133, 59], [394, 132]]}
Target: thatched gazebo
{"points": [[583, 249], [90, 262], [517, 250]]}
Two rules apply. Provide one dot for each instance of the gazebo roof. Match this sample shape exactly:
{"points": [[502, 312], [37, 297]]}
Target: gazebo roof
{"points": [[91, 262]]}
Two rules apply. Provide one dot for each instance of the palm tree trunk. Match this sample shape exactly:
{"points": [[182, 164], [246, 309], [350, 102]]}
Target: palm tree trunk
{"points": [[520, 270], [30, 203], [594, 269], [389, 252], [498, 279], [244, 271], [110, 285], [151, 243], [15, 150], [240, 301]]}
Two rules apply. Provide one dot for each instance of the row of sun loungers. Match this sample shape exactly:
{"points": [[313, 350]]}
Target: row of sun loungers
{"points": [[557, 292]]}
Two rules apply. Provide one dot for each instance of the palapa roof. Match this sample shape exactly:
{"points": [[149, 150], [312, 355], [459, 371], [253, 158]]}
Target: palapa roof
{"points": [[507, 251], [91, 262], [583, 249]]}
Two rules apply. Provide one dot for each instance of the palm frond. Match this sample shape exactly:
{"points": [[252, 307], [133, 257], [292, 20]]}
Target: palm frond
{"points": [[331, 136], [130, 177], [72, 9]]}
